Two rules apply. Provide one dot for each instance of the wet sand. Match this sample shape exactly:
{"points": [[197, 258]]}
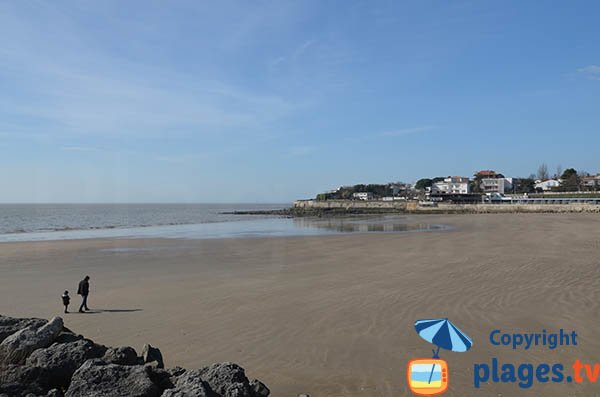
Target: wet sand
{"points": [[330, 315]]}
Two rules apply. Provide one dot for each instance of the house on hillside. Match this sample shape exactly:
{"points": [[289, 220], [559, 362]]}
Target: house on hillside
{"points": [[591, 182], [487, 174], [399, 188], [496, 185], [362, 196], [451, 185], [546, 185]]}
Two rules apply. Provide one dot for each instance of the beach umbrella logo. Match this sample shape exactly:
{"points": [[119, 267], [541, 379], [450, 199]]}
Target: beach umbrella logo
{"points": [[429, 376]]}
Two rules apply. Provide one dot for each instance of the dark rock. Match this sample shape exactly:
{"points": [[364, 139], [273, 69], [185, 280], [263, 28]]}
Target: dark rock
{"points": [[54, 393], [150, 354], [176, 371], [190, 384], [96, 378], [10, 325], [21, 380], [217, 380], [259, 388], [227, 380], [63, 359], [15, 348], [67, 337], [122, 355], [160, 377], [16, 390]]}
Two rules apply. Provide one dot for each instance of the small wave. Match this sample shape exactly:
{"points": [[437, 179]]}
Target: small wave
{"points": [[16, 231], [103, 227]]}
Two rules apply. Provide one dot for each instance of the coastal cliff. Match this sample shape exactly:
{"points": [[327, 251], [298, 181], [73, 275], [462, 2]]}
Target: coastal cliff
{"points": [[43, 358]]}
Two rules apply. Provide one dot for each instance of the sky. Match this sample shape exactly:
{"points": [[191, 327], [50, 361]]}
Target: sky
{"points": [[272, 101]]}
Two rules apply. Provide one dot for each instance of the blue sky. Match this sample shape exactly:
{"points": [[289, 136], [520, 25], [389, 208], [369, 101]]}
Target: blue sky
{"points": [[152, 101]]}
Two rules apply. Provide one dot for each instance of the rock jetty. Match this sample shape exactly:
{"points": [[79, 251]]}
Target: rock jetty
{"points": [[43, 358]]}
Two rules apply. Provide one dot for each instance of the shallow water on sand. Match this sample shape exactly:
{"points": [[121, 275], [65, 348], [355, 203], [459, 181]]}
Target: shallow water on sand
{"points": [[246, 228]]}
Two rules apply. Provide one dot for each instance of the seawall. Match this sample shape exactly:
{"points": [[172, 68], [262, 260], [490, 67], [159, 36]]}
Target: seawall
{"points": [[333, 207]]}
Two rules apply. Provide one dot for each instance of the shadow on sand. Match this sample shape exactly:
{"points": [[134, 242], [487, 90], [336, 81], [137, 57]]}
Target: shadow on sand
{"points": [[98, 311]]}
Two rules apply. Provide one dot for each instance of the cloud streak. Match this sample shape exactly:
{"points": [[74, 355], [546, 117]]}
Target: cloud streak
{"points": [[408, 131], [81, 149], [591, 72]]}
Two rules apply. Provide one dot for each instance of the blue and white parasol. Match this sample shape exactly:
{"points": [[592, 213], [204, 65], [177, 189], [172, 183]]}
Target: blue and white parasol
{"points": [[442, 333]]}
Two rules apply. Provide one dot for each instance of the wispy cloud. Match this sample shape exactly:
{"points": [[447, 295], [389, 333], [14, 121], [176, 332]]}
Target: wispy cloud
{"points": [[408, 131], [81, 149], [302, 48], [591, 72], [293, 56], [75, 87], [181, 159]]}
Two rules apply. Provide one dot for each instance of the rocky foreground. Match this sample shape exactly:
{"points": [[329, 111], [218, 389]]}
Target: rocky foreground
{"points": [[43, 358]]}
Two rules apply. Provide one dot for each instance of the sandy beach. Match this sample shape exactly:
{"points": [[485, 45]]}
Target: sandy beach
{"points": [[330, 315]]}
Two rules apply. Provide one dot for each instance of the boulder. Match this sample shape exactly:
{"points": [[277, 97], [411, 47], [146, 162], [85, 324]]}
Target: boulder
{"points": [[18, 346], [259, 388], [160, 377], [10, 325], [227, 380], [217, 380], [21, 380], [96, 378], [67, 336], [62, 359], [122, 355], [152, 354], [189, 384], [175, 371]]}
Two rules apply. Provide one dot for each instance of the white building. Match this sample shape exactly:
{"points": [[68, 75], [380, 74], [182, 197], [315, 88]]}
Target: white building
{"points": [[496, 185], [362, 196], [591, 182], [451, 185], [546, 185]]}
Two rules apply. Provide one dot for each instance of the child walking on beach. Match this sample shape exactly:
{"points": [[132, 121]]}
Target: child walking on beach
{"points": [[66, 299]]}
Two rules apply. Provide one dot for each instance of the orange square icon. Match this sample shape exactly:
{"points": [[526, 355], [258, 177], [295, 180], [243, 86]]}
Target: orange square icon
{"points": [[427, 376]]}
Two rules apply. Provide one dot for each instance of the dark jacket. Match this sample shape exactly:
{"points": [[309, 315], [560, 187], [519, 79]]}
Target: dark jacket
{"points": [[84, 288], [66, 299]]}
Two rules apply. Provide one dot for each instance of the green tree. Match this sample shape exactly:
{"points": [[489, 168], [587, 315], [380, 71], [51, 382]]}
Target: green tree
{"points": [[568, 173], [423, 183], [570, 180], [524, 185]]}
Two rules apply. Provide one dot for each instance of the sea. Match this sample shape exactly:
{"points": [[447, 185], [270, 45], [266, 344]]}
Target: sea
{"points": [[40, 222]]}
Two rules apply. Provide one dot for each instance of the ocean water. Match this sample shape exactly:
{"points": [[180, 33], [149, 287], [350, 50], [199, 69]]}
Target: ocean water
{"points": [[37, 222]]}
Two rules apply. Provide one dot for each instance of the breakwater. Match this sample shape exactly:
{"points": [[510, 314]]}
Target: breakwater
{"points": [[43, 358]]}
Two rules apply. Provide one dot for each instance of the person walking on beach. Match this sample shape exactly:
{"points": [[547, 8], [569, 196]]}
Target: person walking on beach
{"points": [[66, 299], [84, 290]]}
